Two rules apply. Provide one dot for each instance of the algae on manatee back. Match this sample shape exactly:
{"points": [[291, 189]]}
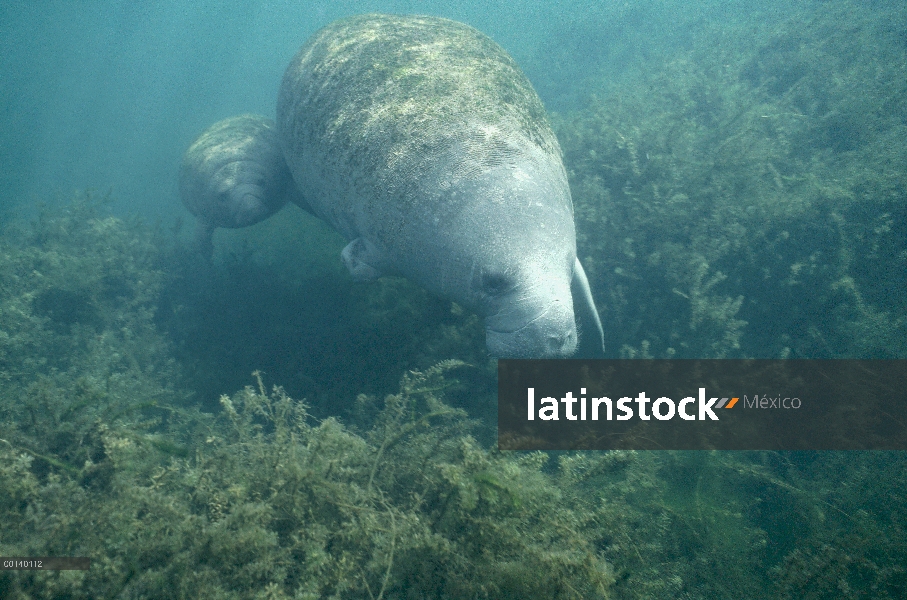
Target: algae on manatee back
{"points": [[400, 82]]}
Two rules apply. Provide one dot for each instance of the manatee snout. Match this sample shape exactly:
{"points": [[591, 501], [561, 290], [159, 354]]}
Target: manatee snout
{"points": [[549, 332]]}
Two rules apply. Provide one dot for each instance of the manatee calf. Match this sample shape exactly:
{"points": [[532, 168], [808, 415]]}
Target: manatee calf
{"points": [[234, 175]]}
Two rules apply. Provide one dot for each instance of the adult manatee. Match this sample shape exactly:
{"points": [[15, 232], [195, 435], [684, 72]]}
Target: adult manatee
{"points": [[422, 142], [234, 175]]}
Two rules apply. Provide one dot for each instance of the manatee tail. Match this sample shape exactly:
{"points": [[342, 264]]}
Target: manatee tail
{"points": [[589, 325]]}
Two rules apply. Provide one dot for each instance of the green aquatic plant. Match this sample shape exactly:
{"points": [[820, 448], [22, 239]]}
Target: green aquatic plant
{"points": [[745, 524], [102, 455], [274, 501], [742, 197], [78, 346]]}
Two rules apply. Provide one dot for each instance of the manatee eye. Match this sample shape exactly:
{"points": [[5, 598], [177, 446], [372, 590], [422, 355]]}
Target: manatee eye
{"points": [[494, 284]]}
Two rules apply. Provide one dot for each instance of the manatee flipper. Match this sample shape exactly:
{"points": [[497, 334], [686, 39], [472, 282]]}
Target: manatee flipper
{"points": [[204, 242], [362, 260], [592, 336]]}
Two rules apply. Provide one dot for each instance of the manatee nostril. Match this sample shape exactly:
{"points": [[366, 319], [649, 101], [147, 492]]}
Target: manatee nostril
{"points": [[561, 344], [557, 342]]}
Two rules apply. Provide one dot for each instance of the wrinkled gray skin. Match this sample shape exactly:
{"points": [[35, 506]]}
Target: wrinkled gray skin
{"points": [[421, 141], [234, 175]]}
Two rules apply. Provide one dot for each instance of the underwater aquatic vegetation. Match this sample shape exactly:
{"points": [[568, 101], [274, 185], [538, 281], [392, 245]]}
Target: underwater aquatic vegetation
{"points": [[414, 506], [101, 455], [79, 344], [272, 500], [726, 196]]}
